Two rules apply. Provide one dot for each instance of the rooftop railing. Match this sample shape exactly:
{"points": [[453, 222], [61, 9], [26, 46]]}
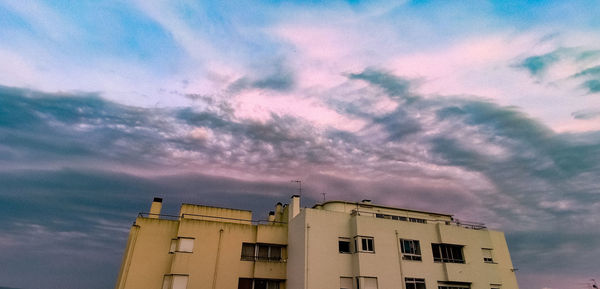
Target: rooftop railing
{"points": [[207, 217]]}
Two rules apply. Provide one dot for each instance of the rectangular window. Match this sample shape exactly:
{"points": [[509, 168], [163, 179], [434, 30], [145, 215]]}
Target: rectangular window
{"points": [[417, 220], [366, 244], [411, 250], [245, 283], [345, 282], [185, 244], [175, 281], [344, 245], [248, 252], [248, 283], [487, 255], [261, 252], [367, 282], [453, 285], [447, 253], [414, 283]]}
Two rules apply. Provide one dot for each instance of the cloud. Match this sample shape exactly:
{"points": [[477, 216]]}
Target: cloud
{"points": [[537, 65]]}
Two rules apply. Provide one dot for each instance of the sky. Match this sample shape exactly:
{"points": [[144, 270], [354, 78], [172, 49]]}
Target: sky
{"points": [[487, 110]]}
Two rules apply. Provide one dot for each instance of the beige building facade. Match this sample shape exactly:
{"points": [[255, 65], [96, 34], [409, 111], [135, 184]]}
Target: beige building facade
{"points": [[336, 244]]}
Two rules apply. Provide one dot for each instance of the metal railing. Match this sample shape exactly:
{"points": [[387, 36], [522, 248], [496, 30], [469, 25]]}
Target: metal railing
{"points": [[200, 217]]}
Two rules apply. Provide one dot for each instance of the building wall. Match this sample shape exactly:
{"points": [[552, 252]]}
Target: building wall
{"points": [[320, 229], [147, 259], [215, 261]]}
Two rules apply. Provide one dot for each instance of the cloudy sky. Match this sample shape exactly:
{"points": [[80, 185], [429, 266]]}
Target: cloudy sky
{"points": [[488, 110]]}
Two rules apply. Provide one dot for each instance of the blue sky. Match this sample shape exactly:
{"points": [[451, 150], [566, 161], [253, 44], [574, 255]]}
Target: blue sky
{"points": [[488, 110]]}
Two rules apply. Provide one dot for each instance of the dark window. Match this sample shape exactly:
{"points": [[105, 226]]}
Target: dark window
{"points": [[447, 253], [248, 251], [261, 252], [245, 283], [344, 245], [417, 220], [266, 284], [411, 250], [414, 283]]}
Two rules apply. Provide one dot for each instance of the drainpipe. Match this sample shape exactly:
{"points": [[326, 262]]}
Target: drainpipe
{"points": [[214, 284], [400, 260]]}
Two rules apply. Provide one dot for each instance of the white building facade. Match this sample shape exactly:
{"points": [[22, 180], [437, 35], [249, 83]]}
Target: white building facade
{"points": [[365, 246]]}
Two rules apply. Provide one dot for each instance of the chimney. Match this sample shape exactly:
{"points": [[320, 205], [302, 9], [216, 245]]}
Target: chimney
{"points": [[271, 216], [366, 201], [278, 208], [294, 207], [155, 208]]}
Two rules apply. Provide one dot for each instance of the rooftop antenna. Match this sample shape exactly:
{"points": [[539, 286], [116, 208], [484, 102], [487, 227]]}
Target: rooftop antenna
{"points": [[323, 196], [299, 186]]}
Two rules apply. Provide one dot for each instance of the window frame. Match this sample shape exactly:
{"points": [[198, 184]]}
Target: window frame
{"points": [[490, 252], [415, 282], [277, 282], [344, 240], [410, 256], [446, 252], [453, 285], [257, 256], [358, 240]]}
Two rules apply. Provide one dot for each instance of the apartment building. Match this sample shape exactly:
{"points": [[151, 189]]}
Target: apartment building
{"points": [[336, 244]]}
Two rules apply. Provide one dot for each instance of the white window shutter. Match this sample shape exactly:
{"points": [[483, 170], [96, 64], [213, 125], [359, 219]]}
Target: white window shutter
{"points": [[370, 283], [180, 281], [167, 282], [346, 282], [186, 245]]}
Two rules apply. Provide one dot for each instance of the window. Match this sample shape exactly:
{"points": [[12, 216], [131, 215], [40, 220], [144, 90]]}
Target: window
{"points": [[487, 255], [411, 250], [249, 283], [344, 245], [414, 283], [345, 282], [183, 244], [417, 220], [261, 252], [175, 281], [454, 285], [364, 244], [447, 253], [385, 216], [366, 282], [248, 251]]}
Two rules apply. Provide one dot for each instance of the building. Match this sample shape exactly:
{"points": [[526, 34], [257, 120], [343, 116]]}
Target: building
{"points": [[336, 244]]}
